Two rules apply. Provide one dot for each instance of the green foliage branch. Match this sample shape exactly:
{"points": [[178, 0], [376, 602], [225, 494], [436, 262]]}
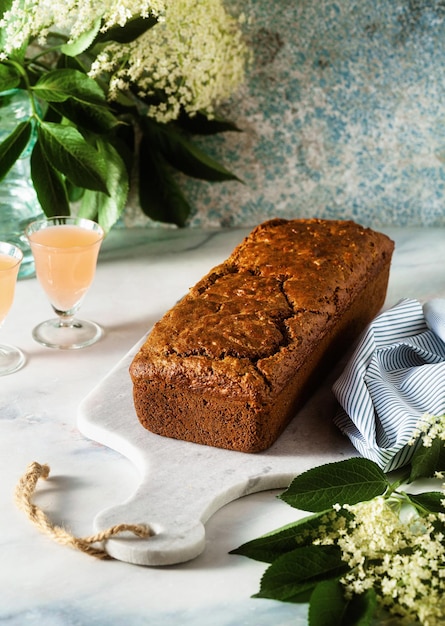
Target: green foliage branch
{"points": [[307, 561], [87, 147]]}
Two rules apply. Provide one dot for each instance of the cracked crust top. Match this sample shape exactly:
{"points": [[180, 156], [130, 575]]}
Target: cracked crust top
{"points": [[257, 314]]}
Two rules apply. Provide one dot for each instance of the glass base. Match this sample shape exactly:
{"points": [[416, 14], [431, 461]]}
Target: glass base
{"points": [[65, 335], [11, 359]]}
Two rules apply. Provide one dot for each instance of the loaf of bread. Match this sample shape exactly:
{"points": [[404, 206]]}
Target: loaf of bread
{"points": [[230, 364]]}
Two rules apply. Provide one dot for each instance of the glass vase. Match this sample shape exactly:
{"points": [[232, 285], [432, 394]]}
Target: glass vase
{"points": [[18, 200]]}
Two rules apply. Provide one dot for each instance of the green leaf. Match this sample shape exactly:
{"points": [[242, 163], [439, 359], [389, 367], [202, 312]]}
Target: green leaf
{"points": [[76, 97], [343, 482], [9, 77], [430, 500], [361, 609], [190, 160], [68, 152], [74, 193], [124, 140], [427, 460], [61, 84], [48, 184], [184, 155], [285, 539], [83, 42], [72, 63], [107, 209], [293, 576], [12, 147], [327, 604], [159, 195], [133, 29], [90, 117]]}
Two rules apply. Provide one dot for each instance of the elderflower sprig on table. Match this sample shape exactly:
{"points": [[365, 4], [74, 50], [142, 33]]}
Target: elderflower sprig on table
{"points": [[116, 89], [372, 550]]}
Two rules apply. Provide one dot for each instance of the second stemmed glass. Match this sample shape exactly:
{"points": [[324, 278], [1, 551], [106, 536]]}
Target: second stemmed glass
{"points": [[65, 252], [11, 358]]}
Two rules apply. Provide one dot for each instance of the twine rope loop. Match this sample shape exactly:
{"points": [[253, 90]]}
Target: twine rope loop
{"points": [[23, 497]]}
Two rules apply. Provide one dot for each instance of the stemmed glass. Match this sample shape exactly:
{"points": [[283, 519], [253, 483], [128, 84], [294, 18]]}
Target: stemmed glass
{"points": [[11, 358], [65, 251]]}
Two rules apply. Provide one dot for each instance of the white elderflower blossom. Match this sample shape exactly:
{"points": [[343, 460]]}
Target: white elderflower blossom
{"points": [[429, 427], [402, 559], [29, 19], [195, 58]]}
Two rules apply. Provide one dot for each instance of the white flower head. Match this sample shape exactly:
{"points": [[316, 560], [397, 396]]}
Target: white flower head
{"points": [[193, 59], [401, 557], [429, 427], [28, 19]]}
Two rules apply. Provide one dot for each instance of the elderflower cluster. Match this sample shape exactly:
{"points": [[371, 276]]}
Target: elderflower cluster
{"points": [[403, 560], [430, 427], [195, 58], [29, 19]]}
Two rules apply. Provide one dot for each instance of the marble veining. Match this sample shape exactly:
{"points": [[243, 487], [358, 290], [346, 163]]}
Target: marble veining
{"points": [[75, 614]]}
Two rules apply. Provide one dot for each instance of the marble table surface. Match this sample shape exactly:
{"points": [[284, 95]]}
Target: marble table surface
{"points": [[140, 274]]}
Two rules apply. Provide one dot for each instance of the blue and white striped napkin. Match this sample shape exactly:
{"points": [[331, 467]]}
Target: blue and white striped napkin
{"points": [[395, 376]]}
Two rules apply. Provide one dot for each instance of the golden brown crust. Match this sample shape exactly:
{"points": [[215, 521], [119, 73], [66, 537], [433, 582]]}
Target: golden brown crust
{"points": [[229, 365]]}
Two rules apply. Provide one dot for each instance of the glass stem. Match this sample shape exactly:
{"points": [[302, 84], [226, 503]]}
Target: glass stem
{"points": [[66, 318]]}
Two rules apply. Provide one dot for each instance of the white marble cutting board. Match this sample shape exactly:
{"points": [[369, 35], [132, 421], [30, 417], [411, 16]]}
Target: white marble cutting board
{"points": [[183, 484]]}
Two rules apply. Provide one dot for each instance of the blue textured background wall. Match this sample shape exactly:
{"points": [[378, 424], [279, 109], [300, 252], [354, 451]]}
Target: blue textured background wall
{"points": [[343, 115]]}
